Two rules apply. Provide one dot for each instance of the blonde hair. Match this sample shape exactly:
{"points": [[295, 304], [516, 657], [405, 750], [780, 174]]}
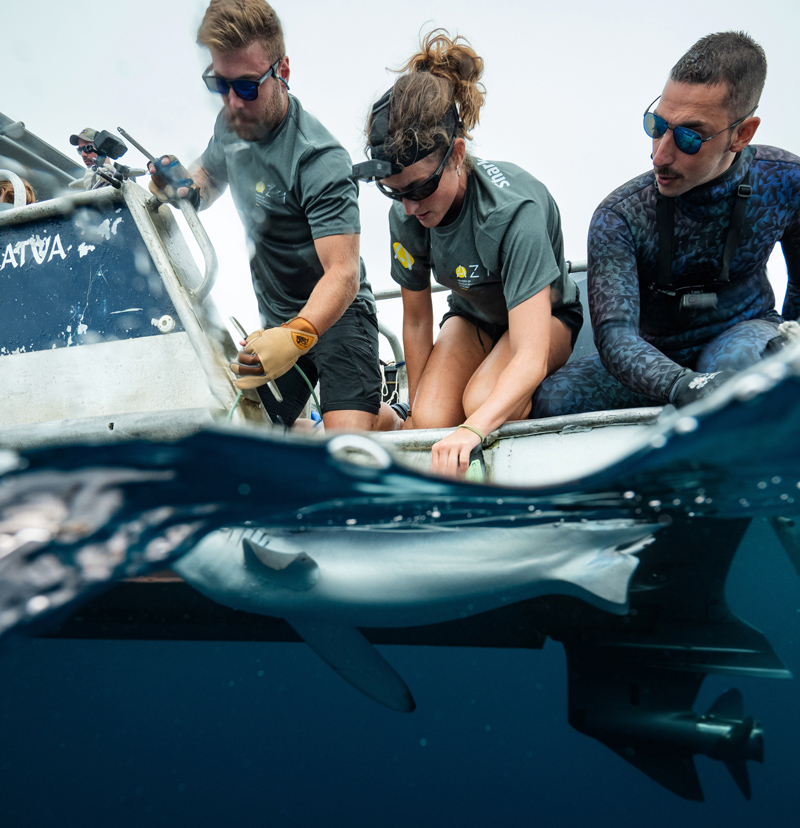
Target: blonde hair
{"points": [[445, 73], [235, 24], [7, 192]]}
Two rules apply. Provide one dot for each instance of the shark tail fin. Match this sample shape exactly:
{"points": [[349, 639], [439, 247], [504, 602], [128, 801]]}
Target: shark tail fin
{"points": [[350, 654]]}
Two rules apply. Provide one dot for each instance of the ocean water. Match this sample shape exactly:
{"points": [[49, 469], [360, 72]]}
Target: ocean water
{"points": [[131, 733], [166, 733]]}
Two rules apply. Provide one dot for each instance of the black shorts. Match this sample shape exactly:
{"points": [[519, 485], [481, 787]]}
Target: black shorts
{"points": [[570, 315], [344, 361]]}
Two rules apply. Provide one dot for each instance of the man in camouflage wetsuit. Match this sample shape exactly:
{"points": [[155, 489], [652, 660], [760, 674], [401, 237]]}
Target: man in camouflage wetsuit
{"points": [[678, 288]]}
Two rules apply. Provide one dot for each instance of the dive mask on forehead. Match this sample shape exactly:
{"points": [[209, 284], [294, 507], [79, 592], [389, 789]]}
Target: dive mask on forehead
{"points": [[382, 164]]}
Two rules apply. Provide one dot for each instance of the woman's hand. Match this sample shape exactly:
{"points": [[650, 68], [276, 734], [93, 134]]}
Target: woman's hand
{"points": [[450, 457]]}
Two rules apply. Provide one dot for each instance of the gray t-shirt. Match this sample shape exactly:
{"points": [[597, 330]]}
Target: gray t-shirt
{"points": [[504, 247], [289, 189]]}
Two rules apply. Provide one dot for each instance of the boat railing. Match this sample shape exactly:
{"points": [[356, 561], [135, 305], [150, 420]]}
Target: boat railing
{"points": [[539, 452], [108, 331]]}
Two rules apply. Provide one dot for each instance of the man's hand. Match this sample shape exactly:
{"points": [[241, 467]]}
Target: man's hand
{"points": [[270, 353], [170, 181], [691, 386]]}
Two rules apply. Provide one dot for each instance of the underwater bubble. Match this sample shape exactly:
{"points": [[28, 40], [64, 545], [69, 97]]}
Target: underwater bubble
{"points": [[351, 521], [629, 495], [686, 425], [37, 604], [762, 484], [243, 489], [776, 480], [423, 742], [658, 442], [654, 504], [435, 513]]}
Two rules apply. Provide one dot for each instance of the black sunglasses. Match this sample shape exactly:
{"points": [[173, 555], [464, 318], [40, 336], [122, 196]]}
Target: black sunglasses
{"points": [[88, 149], [244, 88], [686, 140], [420, 191]]}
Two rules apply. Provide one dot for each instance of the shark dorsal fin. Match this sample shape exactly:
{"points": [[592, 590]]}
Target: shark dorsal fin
{"points": [[291, 570]]}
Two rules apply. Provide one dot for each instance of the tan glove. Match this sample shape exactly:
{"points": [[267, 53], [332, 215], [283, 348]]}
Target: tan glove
{"points": [[277, 350], [167, 178]]}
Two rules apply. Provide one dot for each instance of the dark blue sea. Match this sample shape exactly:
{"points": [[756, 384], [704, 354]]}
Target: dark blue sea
{"points": [[173, 733]]}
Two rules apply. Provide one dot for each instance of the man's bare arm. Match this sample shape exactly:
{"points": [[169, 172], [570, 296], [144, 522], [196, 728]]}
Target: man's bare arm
{"points": [[335, 291]]}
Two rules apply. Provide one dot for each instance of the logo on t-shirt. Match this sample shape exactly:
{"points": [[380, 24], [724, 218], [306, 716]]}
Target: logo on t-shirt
{"points": [[496, 176], [267, 195], [466, 279], [403, 256]]}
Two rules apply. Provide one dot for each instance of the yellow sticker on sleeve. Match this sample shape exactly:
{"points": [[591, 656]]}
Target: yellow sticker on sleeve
{"points": [[403, 256]]}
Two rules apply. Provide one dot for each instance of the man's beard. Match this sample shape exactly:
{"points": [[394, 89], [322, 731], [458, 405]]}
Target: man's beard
{"points": [[249, 129]]}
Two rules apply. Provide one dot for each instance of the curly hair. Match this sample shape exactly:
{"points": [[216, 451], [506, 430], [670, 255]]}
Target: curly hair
{"points": [[235, 24], [445, 73]]}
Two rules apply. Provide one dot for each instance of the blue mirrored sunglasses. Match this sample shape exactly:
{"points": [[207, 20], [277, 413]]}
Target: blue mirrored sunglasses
{"points": [[686, 140], [244, 88]]}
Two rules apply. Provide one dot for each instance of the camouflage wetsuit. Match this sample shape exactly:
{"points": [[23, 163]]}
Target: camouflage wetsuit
{"points": [[646, 341]]}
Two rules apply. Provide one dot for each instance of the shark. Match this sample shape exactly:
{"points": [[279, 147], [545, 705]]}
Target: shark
{"points": [[328, 583]]}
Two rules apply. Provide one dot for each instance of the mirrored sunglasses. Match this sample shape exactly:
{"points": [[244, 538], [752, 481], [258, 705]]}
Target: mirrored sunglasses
{"points": [[427, 188], [88, 149], [686, 140], [244, 88]]}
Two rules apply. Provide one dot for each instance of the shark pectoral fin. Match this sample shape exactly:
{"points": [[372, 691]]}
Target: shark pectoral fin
{"points": [[296, 570], [347, 651]]}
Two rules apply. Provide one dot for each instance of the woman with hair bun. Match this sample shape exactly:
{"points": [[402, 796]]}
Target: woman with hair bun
{"points": [[490, 232]]}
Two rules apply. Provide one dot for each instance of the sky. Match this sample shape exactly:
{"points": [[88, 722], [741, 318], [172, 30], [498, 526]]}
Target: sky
{"points": [[566, 83]]}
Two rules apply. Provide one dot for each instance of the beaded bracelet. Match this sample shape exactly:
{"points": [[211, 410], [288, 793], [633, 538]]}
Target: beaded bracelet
{"points": [[473, 430]]}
